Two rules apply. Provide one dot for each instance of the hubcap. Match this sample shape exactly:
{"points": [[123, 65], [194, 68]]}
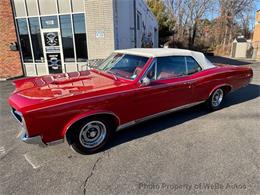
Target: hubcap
{"points": [[217, 97], [92, 134]]}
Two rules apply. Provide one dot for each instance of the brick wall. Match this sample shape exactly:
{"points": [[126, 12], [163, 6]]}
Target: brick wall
{"points": [[10, 64], [99, 19]]}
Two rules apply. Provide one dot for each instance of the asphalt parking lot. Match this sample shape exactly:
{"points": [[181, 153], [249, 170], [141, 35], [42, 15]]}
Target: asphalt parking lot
{"points": [[191, 151]]}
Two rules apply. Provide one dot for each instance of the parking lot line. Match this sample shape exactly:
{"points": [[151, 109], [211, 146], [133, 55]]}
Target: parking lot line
{"points": [[2, 150], [30, 161]]}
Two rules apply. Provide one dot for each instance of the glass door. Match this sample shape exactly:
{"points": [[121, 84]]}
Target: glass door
{"points": [[52, 50]]}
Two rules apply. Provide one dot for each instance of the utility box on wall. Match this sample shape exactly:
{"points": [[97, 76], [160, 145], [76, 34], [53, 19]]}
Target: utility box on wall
{"points": [[240, 48]]}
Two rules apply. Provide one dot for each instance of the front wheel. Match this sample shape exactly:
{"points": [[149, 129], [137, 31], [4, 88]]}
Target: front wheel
{"points": [[90, 136], [215, 100]]}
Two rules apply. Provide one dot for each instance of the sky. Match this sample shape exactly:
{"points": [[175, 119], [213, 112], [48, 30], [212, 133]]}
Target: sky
{"points": [[257, 4]]}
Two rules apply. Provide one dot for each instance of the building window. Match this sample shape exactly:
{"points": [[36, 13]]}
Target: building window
{"points": [[36, 39], [67, 38], [24, 40], [49, 22], [80, 37]]}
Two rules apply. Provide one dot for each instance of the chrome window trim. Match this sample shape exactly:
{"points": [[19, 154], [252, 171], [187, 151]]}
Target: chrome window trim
{"points": [[156, 68], [137, 121], [187, 71], [154, 62]]}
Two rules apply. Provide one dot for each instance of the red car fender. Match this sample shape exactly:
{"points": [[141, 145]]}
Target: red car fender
{"points": [[85, 115], [219, 86]]}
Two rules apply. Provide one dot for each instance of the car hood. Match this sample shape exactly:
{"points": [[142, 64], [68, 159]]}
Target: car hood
{"points": [[33, 90]]}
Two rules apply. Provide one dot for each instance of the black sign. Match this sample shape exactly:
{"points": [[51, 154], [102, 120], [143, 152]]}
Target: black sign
{"points": [[54, 63], [51, 39]]}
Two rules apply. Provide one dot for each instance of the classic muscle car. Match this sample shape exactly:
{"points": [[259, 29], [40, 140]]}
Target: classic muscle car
{"points": [[85, 108]]}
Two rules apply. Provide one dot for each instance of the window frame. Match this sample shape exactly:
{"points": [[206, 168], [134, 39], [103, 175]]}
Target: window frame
{"points": [[120, 58], [152, 65], [62, 28], [24, 59], [171, 77], [39, 37], [155, 63], [187, 65], [75, 38], [43, 21]]}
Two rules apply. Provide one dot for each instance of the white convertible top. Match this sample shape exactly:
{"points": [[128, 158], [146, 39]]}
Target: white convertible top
{"points": [[163, 52]]}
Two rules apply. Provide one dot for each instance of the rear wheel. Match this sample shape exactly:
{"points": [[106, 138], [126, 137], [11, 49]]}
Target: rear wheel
{"points": [[215, 100], [90, 136]]}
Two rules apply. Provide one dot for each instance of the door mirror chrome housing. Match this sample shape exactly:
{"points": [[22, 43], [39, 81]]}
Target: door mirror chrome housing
{"points": [[145, 81]]}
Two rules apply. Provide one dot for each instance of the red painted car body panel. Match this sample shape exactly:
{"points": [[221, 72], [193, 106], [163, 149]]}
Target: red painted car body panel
{"points": [[50, 104]]}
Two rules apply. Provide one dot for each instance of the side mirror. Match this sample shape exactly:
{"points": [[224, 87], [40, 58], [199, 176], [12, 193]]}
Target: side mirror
{"points": [[145, 81]]}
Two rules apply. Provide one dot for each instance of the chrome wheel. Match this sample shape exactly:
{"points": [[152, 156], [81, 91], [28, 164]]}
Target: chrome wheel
{"points": [[92, 134], [217, 97]]}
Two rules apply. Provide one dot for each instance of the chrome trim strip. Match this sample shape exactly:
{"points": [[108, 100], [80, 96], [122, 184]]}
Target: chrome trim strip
{"points": [[153, 63], [131, 123]]}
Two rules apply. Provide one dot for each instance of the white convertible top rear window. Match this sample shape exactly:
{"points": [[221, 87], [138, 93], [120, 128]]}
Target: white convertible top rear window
{"points": [[164, 52]]}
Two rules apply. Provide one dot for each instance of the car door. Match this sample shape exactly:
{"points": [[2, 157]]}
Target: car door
{"points": [[200, 80], [170, 87]]}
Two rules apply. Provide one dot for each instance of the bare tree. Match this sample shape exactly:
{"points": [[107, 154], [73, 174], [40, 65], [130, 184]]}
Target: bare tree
{"points": [[186, 14], [229, 11], [210, 22]]}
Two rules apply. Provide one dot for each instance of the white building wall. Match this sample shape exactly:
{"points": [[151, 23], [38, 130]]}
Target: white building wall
{"points": [[112, 24], [149, 25], [100, 28], [124, 24], [128, 34]]}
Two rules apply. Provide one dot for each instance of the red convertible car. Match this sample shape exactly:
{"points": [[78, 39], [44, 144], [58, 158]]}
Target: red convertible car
{"points": [[85, 108]]}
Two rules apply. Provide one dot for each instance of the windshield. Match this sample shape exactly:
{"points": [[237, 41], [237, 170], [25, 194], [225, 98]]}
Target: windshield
{"points": [[123, 65]]}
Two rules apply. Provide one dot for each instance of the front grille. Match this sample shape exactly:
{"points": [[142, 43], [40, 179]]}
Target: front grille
{"points": [[17, 115]]}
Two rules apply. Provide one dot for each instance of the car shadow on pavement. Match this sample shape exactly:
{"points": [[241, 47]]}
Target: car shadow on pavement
{"points": [[155, 125], [227, 61]]}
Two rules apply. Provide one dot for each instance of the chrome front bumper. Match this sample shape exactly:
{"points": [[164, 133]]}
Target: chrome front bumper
{"points": [[23, 135], [31, 140]]}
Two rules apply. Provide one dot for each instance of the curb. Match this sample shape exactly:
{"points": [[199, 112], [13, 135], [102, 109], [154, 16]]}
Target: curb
{"points": [[11, 78]]}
